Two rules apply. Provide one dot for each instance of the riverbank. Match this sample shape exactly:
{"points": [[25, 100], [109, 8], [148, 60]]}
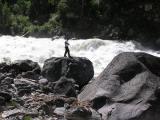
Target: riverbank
{"points": [[99, 51], [64, 89]]}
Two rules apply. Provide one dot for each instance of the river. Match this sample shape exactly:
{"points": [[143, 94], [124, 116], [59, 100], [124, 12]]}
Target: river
{"points": [[100, 52]]}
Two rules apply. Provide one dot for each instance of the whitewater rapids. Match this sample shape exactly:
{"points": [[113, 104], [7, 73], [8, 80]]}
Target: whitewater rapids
{"points": [[100, 52]]}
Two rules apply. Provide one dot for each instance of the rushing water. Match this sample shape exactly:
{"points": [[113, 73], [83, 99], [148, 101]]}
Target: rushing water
{"points": [[100, 52]]}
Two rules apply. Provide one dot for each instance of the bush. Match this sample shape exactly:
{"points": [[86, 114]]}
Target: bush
{"points": [[52, 24], [22, 7], [20, 24], [5, 20]]}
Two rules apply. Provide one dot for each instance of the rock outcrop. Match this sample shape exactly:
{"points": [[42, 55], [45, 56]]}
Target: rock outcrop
{"points": [[20, 68], [11, 82], [77, 68], [128, 88]]}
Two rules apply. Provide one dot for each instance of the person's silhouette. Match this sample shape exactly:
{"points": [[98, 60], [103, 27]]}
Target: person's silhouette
{"points": [[67, 51]]}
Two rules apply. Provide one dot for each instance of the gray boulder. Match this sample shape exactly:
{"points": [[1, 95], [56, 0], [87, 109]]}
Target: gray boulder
{"points": [[78, 68], [128, 88]]}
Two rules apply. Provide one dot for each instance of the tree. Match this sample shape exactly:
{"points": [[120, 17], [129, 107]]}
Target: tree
{"points": [[5, 20]]}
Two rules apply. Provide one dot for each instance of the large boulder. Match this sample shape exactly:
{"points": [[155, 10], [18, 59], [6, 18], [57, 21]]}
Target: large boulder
{"points": [[78, 68], [128, 88], [20, 66]]}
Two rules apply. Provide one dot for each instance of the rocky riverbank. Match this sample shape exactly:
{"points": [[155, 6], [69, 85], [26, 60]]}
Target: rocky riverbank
{"points": [[64, 89], [29, 93]]}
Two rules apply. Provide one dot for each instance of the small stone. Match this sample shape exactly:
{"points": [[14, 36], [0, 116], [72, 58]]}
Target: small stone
{"points": [[43, 81], [59, 111]]}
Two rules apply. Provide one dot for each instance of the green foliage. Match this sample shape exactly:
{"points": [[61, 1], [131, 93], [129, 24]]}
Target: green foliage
{"points": [[27, 118], [53, 21], [40, 11], [53, 2], [62, 7], [22, 7], [21, 16], [5, 14], [20, 24], [52, 24], [18, 17], [12, 103]]}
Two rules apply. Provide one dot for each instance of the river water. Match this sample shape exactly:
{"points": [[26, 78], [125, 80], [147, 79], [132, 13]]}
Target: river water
{"points": [[100, 52]]}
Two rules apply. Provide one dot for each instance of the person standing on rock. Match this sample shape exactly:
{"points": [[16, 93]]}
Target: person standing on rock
{"points": [[67, 51]]}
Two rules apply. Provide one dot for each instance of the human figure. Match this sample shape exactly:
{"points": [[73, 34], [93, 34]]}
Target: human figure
{"points": [[67, 49]]}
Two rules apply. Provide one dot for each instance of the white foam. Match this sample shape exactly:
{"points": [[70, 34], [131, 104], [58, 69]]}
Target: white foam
{"points": [[100, 52]]}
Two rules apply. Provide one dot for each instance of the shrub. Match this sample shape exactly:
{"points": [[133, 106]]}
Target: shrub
{"points": [[20, 24]]}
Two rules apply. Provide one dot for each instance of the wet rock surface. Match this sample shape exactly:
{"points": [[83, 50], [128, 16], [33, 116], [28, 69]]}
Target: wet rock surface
{"points": [[128, 88]]}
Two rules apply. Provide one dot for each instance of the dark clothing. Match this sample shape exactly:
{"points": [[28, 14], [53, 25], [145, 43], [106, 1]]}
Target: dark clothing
{"points": [[67, 51]]}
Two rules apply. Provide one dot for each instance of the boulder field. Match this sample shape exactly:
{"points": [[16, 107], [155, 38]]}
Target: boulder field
{"points": [[64, 89], [28, 92]]}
